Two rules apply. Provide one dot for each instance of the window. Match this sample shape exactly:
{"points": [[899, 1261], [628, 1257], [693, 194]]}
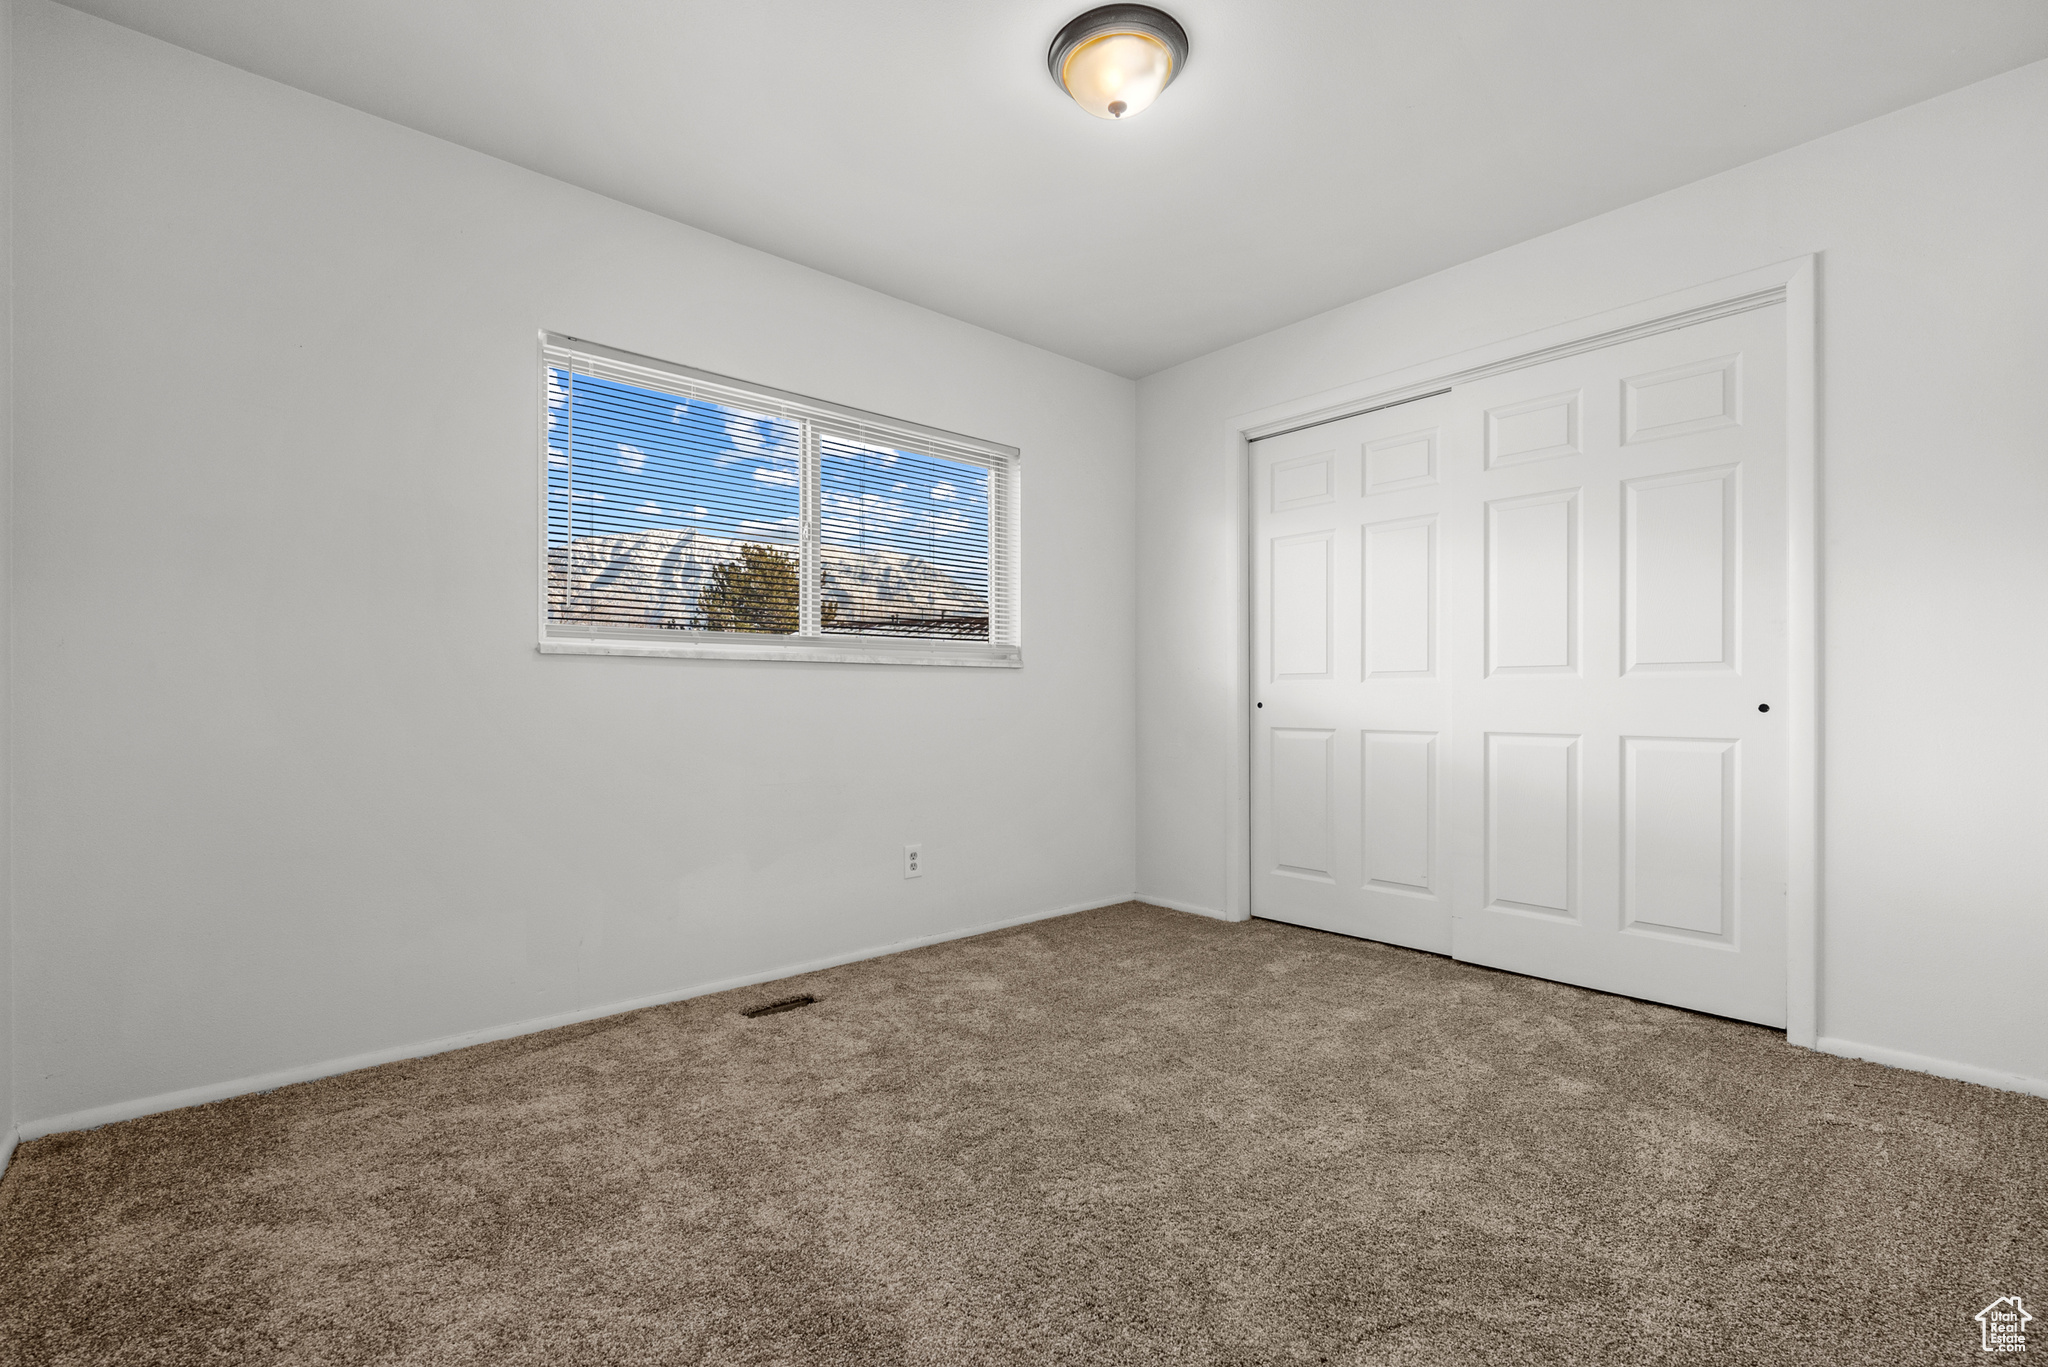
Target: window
{"points": [[688, 514]]}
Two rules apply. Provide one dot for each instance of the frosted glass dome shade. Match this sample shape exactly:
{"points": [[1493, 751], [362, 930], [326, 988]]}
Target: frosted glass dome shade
{"points": [[1115, 60], [1118, 76]]}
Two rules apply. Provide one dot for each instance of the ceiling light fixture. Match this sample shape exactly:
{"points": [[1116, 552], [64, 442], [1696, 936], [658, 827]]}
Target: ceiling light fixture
{"points": [[1115, 60]]}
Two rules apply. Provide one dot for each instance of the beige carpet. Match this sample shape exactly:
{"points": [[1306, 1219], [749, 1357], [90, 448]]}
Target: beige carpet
{"points": [[1128, 1136]]}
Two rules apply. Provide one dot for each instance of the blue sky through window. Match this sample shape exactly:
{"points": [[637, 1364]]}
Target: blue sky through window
{"points": [[881, 499], [641, 460]]}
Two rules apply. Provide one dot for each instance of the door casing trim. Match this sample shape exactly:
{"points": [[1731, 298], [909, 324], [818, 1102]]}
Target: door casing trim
{"points": [[1795, 284]]}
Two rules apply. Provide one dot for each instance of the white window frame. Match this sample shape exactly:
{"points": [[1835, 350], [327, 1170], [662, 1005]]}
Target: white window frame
{"points": [[1003, 649]]}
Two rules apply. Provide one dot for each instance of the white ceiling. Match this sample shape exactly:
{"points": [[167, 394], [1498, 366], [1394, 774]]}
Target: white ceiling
{"points": [[1314, 152]]}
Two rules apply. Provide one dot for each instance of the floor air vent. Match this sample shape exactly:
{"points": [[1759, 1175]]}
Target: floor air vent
{"points": [[776, 1008]]}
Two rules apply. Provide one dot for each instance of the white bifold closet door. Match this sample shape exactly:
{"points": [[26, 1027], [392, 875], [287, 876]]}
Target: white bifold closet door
{"points": [[1511, 651], [1352, 699]]}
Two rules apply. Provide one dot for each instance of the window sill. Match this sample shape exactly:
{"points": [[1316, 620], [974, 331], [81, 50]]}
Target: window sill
{"points": [[918, 653]]}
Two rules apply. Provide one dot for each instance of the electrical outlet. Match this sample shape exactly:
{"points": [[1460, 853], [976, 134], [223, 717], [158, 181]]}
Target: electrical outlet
{"points": [[913, 861]]}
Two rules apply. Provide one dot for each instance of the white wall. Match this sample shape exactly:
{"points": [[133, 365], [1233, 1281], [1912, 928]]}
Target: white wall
{"points": [[294, 784], [6, 558], [1934, 291]]}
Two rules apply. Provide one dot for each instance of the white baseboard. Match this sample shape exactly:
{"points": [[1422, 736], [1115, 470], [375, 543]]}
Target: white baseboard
{"points": [[1189, 907], [7, 1150], [96, 1116], [1940, 1067]]}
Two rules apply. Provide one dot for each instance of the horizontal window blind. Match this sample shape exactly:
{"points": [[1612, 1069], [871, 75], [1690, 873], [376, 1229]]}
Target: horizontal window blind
{"points": [[689, 507]]}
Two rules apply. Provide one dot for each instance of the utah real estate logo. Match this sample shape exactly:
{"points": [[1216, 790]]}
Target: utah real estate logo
{"points": [[2005, 1325]]}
